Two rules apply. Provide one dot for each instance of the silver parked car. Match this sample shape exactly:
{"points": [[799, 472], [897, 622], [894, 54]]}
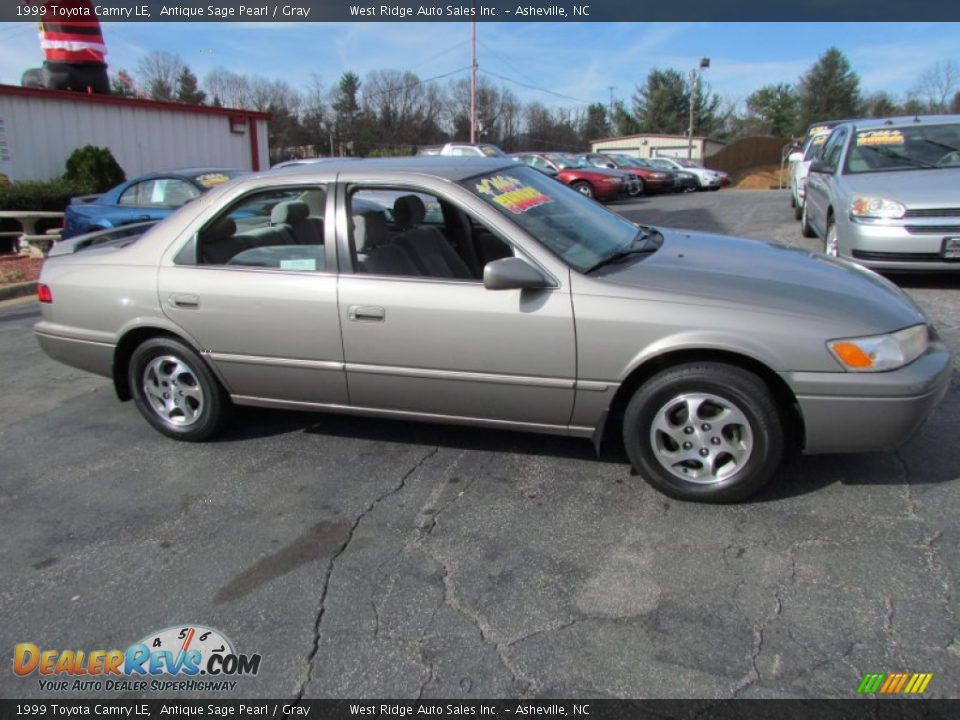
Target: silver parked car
{"points": [[516, 303], [886, 193]]}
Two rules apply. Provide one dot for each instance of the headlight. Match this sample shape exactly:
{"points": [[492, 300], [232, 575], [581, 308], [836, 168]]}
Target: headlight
{"points": [[881, 352], [874, 208], [658, 176], [615, 180]]}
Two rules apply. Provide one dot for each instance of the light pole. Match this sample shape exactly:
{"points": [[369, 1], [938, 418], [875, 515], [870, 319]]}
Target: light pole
{"points": [[694, 95]]}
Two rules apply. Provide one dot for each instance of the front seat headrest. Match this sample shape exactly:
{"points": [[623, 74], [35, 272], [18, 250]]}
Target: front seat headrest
{"points": [[408, 211], [222, 228]]}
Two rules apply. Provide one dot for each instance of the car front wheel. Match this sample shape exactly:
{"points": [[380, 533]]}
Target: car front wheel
{"points": [[175, 391], [706, 432], [584, 188]]}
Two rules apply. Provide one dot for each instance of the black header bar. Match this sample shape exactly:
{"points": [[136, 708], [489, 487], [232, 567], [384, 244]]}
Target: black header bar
{"points": [[859, 11]]}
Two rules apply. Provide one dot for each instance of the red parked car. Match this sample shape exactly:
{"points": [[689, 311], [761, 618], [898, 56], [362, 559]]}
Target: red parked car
{"points": [[594, 182], [651, 179]]}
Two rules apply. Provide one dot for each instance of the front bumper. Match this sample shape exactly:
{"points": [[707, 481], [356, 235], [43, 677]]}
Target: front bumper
{"points": [[862, 412], [910, 244]]}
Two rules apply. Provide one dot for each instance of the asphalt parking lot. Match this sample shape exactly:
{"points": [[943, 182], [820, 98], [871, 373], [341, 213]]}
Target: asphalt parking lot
{"points": [[376, 558]]}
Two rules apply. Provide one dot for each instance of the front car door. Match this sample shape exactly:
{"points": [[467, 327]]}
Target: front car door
{"points": [[422, 336], [252, 283], [820, 184]]}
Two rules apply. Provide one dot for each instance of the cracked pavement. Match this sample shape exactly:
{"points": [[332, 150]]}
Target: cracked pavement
{"points": [[374, 558]]}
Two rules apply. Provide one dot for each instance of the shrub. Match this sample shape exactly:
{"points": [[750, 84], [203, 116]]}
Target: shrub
{"points": [[93, 169], [50, 195]]}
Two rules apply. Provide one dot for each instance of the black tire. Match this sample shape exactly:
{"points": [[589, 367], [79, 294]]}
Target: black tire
{"points": [[797, 211], [761, 434], [641, 189], [194, 390], [806, 229], [793, 200], [583, 187]]}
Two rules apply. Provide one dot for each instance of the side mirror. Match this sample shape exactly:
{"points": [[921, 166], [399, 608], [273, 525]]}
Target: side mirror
{"points": [[821, 166], [795, 157], [513, 273]]}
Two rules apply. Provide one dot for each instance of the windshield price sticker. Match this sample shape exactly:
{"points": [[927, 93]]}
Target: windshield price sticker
{"points": [[880, 137], [512, 194]]}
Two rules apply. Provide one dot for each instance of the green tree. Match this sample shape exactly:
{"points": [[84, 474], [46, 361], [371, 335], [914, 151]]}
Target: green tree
{"points": [[622, 121], [346, 108], [775, 109], [188, 90], [829, 90], [879, 105], [595, 124], [662, 103]]}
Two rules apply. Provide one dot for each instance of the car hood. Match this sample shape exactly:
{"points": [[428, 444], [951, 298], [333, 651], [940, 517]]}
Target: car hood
{"points": [[765, 277], [914, 188]]}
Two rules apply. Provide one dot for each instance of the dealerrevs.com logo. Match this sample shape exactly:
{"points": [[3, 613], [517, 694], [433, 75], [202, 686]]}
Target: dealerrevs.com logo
{"points": [[179, 658]]}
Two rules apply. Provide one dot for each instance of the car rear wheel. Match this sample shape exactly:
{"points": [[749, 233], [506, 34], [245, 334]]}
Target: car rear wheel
{"points": [[806, 229], [830, 241], [584, 188], [175, 391], [706, 432], [640, 187]]}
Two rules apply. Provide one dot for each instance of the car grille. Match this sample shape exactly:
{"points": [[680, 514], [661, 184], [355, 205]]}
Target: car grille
{"points": [[932, 212], [933, 229], [898, 256]]}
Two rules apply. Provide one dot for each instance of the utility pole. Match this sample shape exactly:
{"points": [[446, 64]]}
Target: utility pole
{"points": [[473, 78], [694, 95], [610, 109]]}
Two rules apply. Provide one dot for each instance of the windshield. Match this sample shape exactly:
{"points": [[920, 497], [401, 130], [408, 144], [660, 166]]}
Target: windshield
{"points": [[661, 164], [813, 146], [580, 231], [568, 161], [910, 147]]}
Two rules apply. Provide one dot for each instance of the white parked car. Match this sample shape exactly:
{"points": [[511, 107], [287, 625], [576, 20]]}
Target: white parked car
{"points": [[708, 179], [800, 166]]}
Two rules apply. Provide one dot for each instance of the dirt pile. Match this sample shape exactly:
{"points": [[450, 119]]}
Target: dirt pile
{"points": [[760, 177]]}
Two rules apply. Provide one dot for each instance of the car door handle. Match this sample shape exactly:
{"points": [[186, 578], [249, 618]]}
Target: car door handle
{"points": [[185, 301], [366, 313]]}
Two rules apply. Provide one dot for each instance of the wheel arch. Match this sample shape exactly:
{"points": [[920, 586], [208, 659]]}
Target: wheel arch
{"points": [[135, 336], [613, 417]]}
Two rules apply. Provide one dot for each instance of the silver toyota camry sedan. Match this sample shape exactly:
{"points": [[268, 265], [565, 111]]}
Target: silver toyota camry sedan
{"points": [[481, 292]]}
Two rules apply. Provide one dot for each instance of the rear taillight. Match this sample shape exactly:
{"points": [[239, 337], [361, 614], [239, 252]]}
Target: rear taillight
{"points": [[43, 293]]}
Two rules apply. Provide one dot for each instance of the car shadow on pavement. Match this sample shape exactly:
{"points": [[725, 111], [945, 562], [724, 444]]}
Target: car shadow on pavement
{"points": [[925, 281], [259, 423]]}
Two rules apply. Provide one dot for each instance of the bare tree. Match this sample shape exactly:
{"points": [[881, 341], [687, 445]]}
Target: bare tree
{"points": [[937, 84], [158, 72], [227, 87]]}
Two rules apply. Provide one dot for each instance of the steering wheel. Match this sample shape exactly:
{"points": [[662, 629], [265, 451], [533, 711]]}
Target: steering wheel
{"points": [[951, 159]]}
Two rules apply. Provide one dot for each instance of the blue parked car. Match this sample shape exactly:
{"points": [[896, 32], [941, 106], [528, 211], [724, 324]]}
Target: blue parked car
{"points": [[150, 197]]}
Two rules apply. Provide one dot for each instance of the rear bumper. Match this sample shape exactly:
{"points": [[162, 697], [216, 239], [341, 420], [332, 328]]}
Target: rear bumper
{"points": [[861, 412], [95, 357]]}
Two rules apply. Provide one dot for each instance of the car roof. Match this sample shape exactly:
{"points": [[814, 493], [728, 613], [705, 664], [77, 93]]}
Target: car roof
{"points": [[454, 168], [901, 121]]}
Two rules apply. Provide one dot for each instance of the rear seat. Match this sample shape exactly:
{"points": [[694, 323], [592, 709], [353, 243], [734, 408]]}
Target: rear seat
{"points": [[294, 215], [376, 253]]}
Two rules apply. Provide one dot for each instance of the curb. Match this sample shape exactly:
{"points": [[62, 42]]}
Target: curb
{"points": [[16, 290]]}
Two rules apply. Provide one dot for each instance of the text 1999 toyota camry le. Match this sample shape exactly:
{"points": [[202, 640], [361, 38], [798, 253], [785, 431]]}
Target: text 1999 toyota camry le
{"points": [[479, 292]]}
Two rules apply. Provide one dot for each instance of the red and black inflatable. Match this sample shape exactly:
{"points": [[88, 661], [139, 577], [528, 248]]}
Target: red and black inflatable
{"points": [[73, 50]]}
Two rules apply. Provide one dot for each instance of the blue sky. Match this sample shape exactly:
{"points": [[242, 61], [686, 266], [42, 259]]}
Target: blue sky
{"points": [[579, 60]]}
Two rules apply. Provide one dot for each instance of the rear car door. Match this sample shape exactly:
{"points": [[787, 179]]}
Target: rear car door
{"points": [[255, 288]]}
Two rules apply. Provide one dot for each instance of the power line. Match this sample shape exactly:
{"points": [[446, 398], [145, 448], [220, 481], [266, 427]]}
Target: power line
{"points": [[535, 87]]}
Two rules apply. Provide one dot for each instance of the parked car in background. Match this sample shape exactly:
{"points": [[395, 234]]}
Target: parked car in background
{"points": [[149, 197], [650, 179], [886, 193], [522, 305], [582, 176], [799, 167], [684, 180], [706, 179], [464, 150]]}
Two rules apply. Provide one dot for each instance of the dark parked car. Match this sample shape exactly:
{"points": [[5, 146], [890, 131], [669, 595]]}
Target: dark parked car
{"points": [[150, 197]]}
